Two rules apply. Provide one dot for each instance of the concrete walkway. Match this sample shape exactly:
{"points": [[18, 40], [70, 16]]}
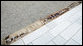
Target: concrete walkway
{"points": [[18, 14], [65, 30]]}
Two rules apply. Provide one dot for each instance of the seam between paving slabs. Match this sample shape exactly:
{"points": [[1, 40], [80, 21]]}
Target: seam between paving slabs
{"points": [[71, 37]]}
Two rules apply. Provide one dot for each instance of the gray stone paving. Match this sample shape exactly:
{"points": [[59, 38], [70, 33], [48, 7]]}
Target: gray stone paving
{"points": [[18, 14]]}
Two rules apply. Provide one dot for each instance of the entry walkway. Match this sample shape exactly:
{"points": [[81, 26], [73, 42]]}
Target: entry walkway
{"points": [[65, 30]]}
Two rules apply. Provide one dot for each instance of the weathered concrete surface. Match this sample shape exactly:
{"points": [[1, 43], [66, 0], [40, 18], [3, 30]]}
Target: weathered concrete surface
{"points": [[65, 30], [18, 14]]}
